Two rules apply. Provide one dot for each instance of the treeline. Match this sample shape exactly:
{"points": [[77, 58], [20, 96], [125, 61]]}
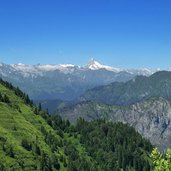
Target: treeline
{"points": [[17, 92], [112, 146]]}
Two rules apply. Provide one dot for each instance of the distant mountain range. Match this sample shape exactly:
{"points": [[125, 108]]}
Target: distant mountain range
{"points": [[138, 89], [64, 81]]}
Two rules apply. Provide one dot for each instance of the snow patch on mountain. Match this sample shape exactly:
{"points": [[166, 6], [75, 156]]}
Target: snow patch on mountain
{"points": [[94, 65], [40, 69], [67, 65]]}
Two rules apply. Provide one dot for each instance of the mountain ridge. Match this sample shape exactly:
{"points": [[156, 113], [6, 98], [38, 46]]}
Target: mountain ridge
{"points": [[92, 65], [132, 91], [63, 82]]}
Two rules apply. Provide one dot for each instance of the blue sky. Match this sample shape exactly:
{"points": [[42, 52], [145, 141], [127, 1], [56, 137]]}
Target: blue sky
{"points": [[120, 33]]}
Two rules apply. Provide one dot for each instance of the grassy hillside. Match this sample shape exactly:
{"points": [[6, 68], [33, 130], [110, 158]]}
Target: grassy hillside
{"points": [[21, 139], [27, 142]]}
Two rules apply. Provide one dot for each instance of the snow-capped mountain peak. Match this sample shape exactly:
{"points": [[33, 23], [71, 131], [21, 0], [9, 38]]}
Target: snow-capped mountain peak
{"points": [[94, 65], [41, 69]]}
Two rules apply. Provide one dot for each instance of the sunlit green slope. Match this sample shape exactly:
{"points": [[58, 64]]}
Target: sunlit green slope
{"points": [[32, 140]]}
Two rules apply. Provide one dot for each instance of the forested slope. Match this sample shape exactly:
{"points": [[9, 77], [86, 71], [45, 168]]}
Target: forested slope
{"points": [[30, 139]]}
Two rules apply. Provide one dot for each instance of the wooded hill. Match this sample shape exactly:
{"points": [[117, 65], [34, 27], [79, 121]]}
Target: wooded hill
{"points": [[31, 139]]}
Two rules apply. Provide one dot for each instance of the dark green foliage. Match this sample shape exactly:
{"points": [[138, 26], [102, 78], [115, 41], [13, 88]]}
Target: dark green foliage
{"points": [[36, 149], [45, 163], [71, 151], [4, 98], [114, 145], [26, 144]]}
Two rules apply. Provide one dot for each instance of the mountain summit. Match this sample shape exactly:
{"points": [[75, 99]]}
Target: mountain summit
{"points": [[94, 65]]}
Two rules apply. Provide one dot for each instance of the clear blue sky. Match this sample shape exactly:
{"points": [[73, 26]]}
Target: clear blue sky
{"points": [[120, 33]]}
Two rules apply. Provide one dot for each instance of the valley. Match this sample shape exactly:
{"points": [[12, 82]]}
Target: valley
{"points": [[85, 85]]}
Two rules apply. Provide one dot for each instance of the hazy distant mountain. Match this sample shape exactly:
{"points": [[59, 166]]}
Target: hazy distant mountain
{"points": [[135, 90], [64, 81]]}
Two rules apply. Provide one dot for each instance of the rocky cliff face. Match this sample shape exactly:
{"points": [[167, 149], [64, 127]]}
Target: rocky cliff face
{"points": [[151, 118]]}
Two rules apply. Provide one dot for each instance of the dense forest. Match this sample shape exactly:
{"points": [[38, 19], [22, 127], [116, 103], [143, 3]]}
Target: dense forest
{"points": [[31, 139]]}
